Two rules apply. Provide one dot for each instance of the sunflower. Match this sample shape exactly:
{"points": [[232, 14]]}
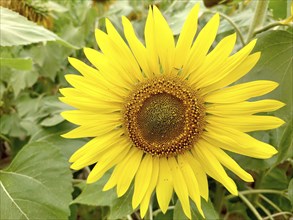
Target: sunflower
{"points": [[162, 115]]}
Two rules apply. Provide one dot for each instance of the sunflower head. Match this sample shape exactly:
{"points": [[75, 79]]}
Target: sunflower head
{"points": [[163, 115]]}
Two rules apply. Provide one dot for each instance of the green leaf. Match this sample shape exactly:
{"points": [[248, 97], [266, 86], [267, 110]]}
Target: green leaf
{"points": [[286, 144], [94, 196], [290, 192], [122, 206], [22, 79], [17, 63], [279, 8], [36, 185], [276, 179], [207, 208], [17, 30]]}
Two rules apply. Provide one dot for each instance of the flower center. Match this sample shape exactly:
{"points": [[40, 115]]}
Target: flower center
{"points": [[164, 116]]}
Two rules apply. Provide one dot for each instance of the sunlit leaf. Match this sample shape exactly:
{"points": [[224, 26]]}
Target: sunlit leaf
{"points": [[17, 30], [17, 63]]}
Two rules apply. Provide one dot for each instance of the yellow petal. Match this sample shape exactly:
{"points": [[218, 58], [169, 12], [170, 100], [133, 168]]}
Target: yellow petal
{"points": [[199, 174], [149, 34], [186, 37], [212, 166], [231, 164], [80, 117], [191, 182], [244, 108], [164, 41], [136, 46], [130, 167], [180, 186], [201, 46], [241, 92], [233, 75], [154, 178], [80, 101], [91, 130], [115, 59], [124, 52], [84, 69], [92, 156], [142, 180], [238, 142], [164, 188], [217, 59], [107, 71], [97, 144], [246, 123], [107, 162]]}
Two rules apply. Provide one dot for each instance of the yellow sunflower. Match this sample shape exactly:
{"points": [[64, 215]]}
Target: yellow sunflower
{"points": [[163, 114]]}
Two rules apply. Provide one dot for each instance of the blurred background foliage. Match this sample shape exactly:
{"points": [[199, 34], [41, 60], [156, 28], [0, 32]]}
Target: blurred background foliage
{"points": [[37, 36]]}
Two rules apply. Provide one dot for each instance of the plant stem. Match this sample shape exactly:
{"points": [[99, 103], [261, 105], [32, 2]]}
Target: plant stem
{"points": [[250, 206], [258, 18], [270, 202], [270, 191], [265, 210], [265, 28], [278, 214], [219, 197]]}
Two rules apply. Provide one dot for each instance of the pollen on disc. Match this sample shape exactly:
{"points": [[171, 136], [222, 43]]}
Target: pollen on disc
{"points": [[164, 116]]}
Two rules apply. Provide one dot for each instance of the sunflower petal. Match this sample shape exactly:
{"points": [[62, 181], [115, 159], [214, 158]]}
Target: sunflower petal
{"points": [[136, 46], [164, 41], [199, 174], [154, 178], [201, 46], [212, 166], [241, 92], [186, 37], [142, 180], [208, 72], [107, 161], [246, 123], [238, 142], [180, 186], [164, 188], [233, 75], [149, 34], [191, 182], [130, 167], [231, 164], [244, 108]]}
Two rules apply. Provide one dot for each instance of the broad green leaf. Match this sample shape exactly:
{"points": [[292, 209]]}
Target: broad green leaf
{"points": [[17, 30], [207, 208], [93, 195], [286, 144], [275, 179], [36, 185], [279, 8], [122, 206], [17, 63], [9, 125], [52, 120], [22, 79]]}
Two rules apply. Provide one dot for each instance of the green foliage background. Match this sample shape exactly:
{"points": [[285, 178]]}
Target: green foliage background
{"points": [[35, 179]]}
